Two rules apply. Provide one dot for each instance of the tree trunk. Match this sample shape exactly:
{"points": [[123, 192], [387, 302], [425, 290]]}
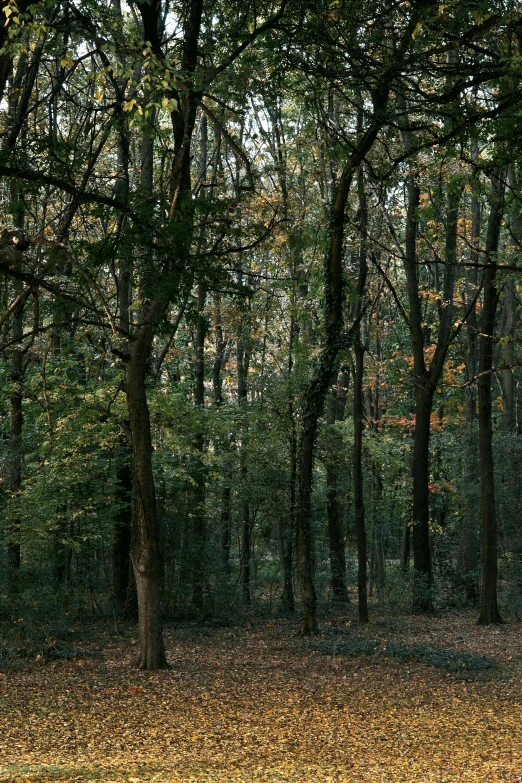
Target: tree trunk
{"points": [[508, 381], [405, 546], [304, 531], [226, 531], [121, 561], [335, 412], [245, 554], [358, 485], [422, 600], [336, 538], [469, 557], [377, 559], [199, 491], [146, 555], [489, 612], [17, 379], [286, 528], [15, 445]]}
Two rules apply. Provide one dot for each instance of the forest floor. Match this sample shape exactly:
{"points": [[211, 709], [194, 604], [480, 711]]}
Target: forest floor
{"points": [[406, 699]]}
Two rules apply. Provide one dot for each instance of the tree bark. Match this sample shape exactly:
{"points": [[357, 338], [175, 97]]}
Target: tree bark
{"points": [[508, 380], [15, 444], [226, 531], [469, 562], [422, 601], [286, 528], [426, 378], [243, 359], [146, 555], [199, 490], [489, 612], [121, 561], [335, 412], [358, 485], [326, 364]]}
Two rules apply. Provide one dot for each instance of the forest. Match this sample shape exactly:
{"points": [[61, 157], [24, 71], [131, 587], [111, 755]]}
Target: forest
{"points": [[260, 381], [259, 311]]}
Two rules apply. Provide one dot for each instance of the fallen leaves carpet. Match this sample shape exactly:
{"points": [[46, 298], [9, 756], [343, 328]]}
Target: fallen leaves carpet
{"points": [[256, 704]]}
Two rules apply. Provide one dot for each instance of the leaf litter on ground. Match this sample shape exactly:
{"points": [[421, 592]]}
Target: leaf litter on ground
{"points": [[257, 704]]}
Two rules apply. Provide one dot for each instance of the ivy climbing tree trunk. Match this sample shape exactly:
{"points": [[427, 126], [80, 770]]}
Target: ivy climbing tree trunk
{"points": [[326, 364]]}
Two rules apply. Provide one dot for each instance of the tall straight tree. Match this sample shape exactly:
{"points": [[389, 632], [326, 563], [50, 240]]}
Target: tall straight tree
{"points": [[489, 612], [385, 73]]}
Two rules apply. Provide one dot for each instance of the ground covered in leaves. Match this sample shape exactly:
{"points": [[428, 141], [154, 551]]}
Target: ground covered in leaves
{"points": [[415, 700]]}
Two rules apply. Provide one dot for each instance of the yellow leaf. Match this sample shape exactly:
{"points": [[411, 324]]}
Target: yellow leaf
{"points": [[417, 30]]}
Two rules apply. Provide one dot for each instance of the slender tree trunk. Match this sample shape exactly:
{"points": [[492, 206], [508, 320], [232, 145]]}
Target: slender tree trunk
{"points": [[226, 531], [124, 583], [224, 448], [336, 538], [324, 370], [469, 556], [335, 412], [15, 445], [377, 559], [198, 517], [489, 612], [358, 486], [421, 500], [508, 381], [304, 532], [17, 372], [286, 528], [121, 562], [243, 358], [246, 554], [405, 546]]}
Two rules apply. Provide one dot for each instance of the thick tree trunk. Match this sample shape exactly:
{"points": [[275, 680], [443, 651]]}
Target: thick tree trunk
{"points": [[146, 555], [489, 612]]}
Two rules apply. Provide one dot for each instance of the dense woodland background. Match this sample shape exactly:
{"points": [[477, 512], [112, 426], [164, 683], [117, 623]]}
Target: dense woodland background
{"points": [[259, 320]]}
